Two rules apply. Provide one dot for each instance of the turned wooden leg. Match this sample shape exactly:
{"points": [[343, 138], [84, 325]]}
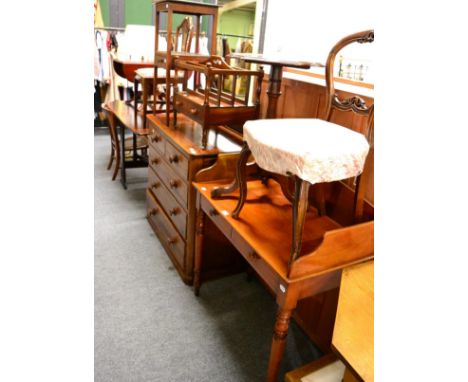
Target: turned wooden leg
{"points": [[241, 179], [168, 97], [204, 140], [200, 226], [144, 101], [300, 204], [278, 343], [135, 101]]}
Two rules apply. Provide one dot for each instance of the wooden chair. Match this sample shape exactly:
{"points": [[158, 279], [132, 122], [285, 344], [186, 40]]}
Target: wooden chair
{"points": [[145, 76], [140, 144], [214, 105], [281, 146]]}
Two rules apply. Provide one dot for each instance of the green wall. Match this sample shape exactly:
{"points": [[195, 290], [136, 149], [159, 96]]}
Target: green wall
{"points": [[236, 22], [138, 12], [104, 4]]}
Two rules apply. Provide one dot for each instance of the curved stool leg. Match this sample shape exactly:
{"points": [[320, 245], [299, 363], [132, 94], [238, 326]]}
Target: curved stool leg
{"points": [[111, 159], [117, 166], [300, 205], [241, 179]]}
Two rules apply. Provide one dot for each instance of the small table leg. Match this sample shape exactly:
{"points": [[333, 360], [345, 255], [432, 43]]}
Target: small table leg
{"points": [[274, 89], [300, 204], [278, 343], [200, 227], [123, 177]]}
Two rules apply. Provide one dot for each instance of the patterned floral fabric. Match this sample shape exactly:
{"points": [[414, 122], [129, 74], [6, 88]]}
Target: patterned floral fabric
{"points": [[315, 150]]}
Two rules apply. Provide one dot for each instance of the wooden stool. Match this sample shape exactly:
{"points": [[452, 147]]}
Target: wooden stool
{"points": [[312, 151]]}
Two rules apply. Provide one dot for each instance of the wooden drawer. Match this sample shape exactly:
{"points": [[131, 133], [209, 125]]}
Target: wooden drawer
{"points": [[157, 141], [191, 109], [166, 232], [216, 217], [176, 160], [174, 183], [155, 160], [173, 209], [256, 262]]}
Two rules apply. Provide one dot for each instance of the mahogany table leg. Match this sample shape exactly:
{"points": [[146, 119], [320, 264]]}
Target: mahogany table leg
{"points": [[274, 89], [134, 143], [279, 342], [135, 99], [200, 226], [300, 204], [168, 93], [241, 179], [144, 100], [123, 176]]}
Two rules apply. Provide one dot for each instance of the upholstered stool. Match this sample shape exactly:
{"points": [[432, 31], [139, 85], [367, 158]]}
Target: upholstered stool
{"points": [[308, 150]]}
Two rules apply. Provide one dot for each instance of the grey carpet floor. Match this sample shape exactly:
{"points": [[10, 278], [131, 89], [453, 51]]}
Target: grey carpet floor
{"points": [[149, 326]]}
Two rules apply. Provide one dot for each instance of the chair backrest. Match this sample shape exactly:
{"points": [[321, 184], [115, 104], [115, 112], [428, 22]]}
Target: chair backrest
{"points": [[185, 29], [355, 104]]}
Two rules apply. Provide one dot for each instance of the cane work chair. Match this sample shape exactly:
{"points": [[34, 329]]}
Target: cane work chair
{"points": [[213, 104]]}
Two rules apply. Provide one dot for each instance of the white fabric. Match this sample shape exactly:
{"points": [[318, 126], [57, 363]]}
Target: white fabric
{"points": [[315, 150], [149, 72], [101, 57]]}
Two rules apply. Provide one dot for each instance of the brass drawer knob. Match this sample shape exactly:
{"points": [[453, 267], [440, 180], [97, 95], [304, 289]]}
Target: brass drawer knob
{"points": [[155, 160], [156, 138], [174, 183], [178, 103], [174, 211], [172, 241], [193, 111], [155, 185], [152, 212], [173, 159]]}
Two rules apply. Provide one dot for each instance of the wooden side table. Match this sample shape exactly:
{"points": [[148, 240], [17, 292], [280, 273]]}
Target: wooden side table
{"points": [[260, 236], [276, 74], [126, 119]]}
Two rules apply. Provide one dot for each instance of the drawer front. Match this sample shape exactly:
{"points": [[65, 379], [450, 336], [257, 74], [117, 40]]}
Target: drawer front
{"points": [[176, 160], [174, 183], [173, 209], [256, 262], [167, 233], [217, 219], [190, 109], [155, 160], [156, 139]]}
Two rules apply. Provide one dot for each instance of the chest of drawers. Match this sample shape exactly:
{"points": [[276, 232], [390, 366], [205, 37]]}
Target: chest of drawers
{"points": [[175, 156]]}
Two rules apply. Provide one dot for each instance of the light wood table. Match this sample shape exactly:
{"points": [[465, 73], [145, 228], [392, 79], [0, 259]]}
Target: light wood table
{"points": [[353, 336]]}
